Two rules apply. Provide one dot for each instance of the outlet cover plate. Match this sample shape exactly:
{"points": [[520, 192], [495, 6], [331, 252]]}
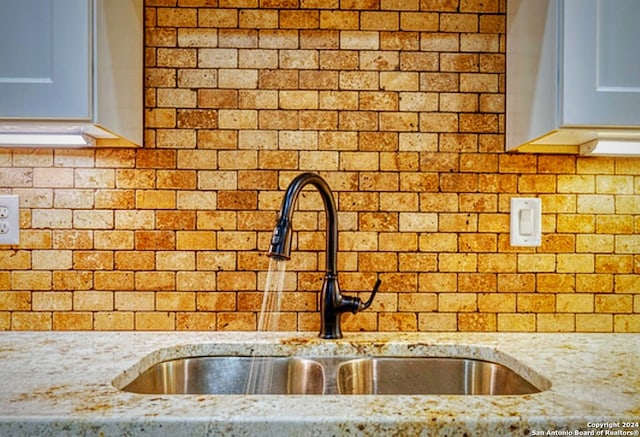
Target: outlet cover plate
{"points": [[10, 220]]}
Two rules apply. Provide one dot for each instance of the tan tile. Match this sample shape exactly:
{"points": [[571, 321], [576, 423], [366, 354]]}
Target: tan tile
{"points": [[605, 303], [477, 282], [594, 243], [189, 37], [72, 321], [319, 39], [497, 302], [154, 321], [35, 239], [15, 300], [610, 224], [596, 204], [113, 321], [417, 302], [627, 283], [536, 303], [298, 59], [53, 177], [516, 322], [173, 17], [578, 263], [359, 40], [135, 301], [457, 302], [477, 322], [575, 303], [437, 322], [537, 184], [594, 323], [477, 243], [537, 262], [594, 283], [614, 263], [438, 242], [339, 19], [154, 281], [457, 222], [555, 282], [5, 321], [576, 223], [626, 323], [31, 321], [31, 280], [134, 260], [177, 98], [15, 260], [492, 23], [92, 301], [175, 301], [556, 322], [299, 19], [236, 321], [615, 184], [154, 240], [521, 163], [403, 322], [238, 118], [497, 262], [576, 184], [237, 38], [72, 280], [493, 223], [190, 321]]}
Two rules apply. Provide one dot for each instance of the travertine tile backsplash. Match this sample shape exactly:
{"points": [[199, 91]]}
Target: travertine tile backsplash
{"points": [[399, 104]]}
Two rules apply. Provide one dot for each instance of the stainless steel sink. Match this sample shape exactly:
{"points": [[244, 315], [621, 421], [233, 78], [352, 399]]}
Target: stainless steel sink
{"points": [[455, 376], [330, 375], [231, 375]]}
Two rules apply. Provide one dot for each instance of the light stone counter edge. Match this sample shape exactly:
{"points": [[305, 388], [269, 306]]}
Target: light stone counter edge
{"points": [[56, 383]]}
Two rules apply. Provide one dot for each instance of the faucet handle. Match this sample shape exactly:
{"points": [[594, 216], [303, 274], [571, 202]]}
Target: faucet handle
{"points": [[367, 304]]}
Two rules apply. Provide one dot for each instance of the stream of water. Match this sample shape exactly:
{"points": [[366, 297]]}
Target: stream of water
{"points": [[261, 372]]}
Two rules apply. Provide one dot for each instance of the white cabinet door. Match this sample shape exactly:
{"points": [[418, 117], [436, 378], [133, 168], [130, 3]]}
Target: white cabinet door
{"points": [[601, 75], [45, 59]]}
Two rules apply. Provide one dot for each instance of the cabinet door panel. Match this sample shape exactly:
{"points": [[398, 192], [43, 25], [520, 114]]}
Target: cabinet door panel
{"points": [[601, 60], [618, 47], [45, 52]]}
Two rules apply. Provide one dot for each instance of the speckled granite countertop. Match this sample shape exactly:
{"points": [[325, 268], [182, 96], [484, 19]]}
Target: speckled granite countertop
{"points": [[63, 384]]}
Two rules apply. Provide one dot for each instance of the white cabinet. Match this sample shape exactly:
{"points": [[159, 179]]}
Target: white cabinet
{"points": [[72, 66], [573, 74], [601, 75], [45, 47]]}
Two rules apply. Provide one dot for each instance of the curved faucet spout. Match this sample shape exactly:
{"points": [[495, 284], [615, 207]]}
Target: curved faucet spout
{"points": [[332, 302], [281, 239]]}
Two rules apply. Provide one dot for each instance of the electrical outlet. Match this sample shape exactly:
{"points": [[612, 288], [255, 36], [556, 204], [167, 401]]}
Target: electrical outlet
{"points": [[9, 220]]}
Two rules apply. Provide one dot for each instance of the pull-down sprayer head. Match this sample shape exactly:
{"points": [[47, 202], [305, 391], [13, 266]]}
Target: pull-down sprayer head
{"points": [[281, 239]]}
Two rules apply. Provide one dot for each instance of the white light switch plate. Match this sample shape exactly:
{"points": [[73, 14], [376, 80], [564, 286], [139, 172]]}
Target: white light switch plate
{"points": [[526, 215], [9, 219]]}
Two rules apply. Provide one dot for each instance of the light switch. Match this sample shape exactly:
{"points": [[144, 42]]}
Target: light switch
{"points": [[526, 221], [526, 215]]}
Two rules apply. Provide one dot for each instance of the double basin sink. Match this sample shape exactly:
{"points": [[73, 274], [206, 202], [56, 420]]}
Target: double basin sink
{"points": [[341, 375]]}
